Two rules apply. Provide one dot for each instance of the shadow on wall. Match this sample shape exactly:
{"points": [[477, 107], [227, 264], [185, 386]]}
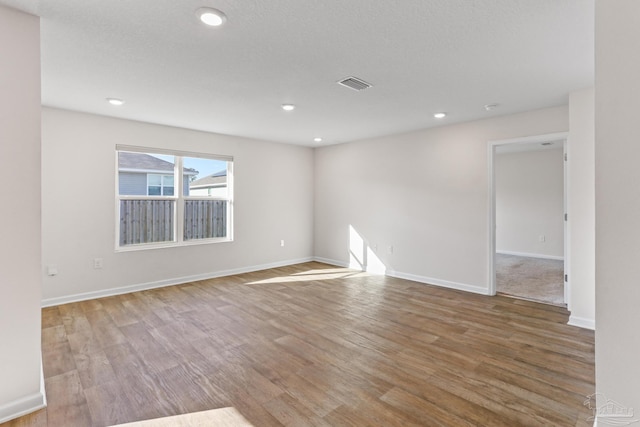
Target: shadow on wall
{"points": [[362, 256]]}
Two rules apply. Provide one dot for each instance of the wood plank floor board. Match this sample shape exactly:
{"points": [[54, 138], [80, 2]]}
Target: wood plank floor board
{"points": [[372, 412], [239, 375], [426, 412], [120, 315], [123, 360], [404, 336], [209, 320], [291, 413], [512, 396], [362, 340], [469, 411], [185, 391], [572, 337], [312, 353], [51, 317], [69, 407], [575, 349], [138, 310], [94, 369], [84, 341], [271, 362], [491, 398], [90, 305], [146, 394], [532, 385], [247, 323], [109, 405], [565, 359], [104, 328], [316, 398], [314, 345], [60, 359], [504, 356], [344, 379]]}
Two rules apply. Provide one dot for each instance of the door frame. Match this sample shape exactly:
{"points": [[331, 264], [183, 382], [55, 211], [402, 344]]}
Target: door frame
{"points": [[563, 136]]}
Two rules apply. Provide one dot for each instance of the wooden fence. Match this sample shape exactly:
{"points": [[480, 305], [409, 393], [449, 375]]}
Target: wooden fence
{"points": [[147, 221], [205, 219]]}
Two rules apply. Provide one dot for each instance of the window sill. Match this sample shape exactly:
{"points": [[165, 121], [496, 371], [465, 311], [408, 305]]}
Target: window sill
{"points": [[164, 245]]}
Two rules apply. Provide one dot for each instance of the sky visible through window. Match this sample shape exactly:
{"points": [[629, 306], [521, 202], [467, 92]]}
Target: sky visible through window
{"points": [[205, 167]]}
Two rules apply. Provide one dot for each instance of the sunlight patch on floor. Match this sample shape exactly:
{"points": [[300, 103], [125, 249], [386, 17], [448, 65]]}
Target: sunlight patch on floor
{"points": [[223, 417], [310, 277]]}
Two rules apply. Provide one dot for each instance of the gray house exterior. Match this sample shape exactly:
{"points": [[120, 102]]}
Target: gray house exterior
{"points": [[211, 185], [141, 174]]}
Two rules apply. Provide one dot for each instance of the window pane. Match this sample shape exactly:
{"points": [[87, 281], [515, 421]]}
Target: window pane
{"points": [[205, 219], [138, 170], [167, 180], [205, 177], [146, 221], [167, 191], [155, 191]]}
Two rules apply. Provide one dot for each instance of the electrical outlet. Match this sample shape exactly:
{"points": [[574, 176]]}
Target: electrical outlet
{"points": [[282, 243], [542, 238], [390, 249], [52, 270], [98, 263]]}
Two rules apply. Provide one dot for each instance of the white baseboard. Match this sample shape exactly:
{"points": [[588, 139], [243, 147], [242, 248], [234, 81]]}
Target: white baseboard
{"points": [[526, 254], [23, 406], [582, 322], [49, 302], [415, 278], [439, 282], [331, 262]]}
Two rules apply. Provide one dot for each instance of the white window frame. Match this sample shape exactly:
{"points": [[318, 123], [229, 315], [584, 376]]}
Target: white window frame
{"points": [[178, 197]]}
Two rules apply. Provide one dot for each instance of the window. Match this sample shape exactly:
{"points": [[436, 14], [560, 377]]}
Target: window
{"points": [[159, 185], [151, 213]]}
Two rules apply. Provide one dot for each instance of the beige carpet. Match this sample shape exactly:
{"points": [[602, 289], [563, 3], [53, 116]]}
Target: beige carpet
{"points": [[530, 278], [223, 417]]}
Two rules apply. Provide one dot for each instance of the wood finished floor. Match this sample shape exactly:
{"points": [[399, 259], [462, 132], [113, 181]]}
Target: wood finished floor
{"points": [[314, 345]]}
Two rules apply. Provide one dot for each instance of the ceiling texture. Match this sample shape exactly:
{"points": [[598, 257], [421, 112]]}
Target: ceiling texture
{"points": [[420, 56]]}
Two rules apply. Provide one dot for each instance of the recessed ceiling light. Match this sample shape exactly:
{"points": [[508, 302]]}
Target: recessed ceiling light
{"points": [[115, 101], [211, 17], [317, 139], [288, 107], [440, 115], [490, 107]]}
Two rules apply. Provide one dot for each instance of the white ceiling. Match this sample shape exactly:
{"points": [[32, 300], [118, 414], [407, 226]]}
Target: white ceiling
{"points": [[421, 56]]}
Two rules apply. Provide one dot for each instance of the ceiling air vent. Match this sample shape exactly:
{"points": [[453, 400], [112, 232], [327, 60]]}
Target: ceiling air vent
{"points": [[354, 83]]}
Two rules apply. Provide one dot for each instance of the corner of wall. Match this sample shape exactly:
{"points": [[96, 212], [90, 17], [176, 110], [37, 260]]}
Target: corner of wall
{"points": [[582, 322], [23, 406]]}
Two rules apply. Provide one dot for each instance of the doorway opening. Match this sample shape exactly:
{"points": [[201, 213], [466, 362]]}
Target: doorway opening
{"points": [[528, 255]]}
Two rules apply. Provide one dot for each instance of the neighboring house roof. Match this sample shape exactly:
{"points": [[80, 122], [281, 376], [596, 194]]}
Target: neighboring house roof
{"points": [[218, 179], [141, 162]]}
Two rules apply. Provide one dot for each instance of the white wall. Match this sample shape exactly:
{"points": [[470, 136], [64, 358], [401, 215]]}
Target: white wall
{"points": [[20, 278], [581, 209], [617, 95], [529, 189], [273, 201], [423, 193]]}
